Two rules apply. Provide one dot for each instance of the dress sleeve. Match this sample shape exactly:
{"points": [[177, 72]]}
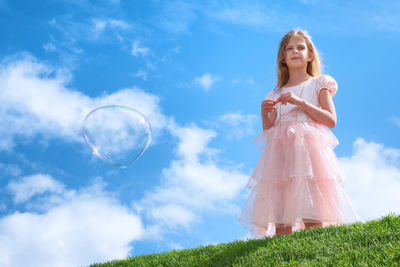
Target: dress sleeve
{"points": [[326, 81]]}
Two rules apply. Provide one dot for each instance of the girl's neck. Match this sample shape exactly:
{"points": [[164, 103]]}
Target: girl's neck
{"points": [[297, 76]]}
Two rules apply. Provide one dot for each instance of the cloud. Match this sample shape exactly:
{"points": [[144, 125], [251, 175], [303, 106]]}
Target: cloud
{"points": [[192, 184], [136, 50], [395, 120], [382, 18], [174, 50], [258, 15], [386, 22], [80, 228], [171, 215], [49, 47], [206, 81], [36, 101], [237, 125], [309, 2], [141, 74], [75, 34], [175, 246], [10, 169], [245, 14], [176, 16], [193, 141], [247, 81], [100, 25], [116, 23], [30, 186], [373, 179]]}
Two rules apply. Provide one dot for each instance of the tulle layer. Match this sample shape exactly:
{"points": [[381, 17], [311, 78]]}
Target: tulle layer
{"points": [[300, 149], [296, 180]]}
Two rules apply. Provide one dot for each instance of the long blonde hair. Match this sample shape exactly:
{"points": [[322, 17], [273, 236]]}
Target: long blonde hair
{"points": [[313, 67]]}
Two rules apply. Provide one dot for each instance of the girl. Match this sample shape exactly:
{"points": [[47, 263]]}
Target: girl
{"points": [[295, 183]]}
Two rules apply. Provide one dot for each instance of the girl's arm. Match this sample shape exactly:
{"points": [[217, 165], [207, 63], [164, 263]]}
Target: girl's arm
{"points": [[327, 113]]}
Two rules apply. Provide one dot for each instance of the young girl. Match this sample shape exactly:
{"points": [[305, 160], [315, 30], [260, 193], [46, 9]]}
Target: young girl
{"points": [[295, 184]]}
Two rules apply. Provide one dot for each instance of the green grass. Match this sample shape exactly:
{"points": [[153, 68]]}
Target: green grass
{"points": [[373, 243]]}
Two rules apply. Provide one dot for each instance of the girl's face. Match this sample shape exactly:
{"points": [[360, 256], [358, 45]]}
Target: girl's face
{"points": [[296, 53]]}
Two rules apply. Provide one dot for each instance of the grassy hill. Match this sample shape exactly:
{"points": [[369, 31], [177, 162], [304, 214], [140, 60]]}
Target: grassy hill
{"points": [[373, 243]]}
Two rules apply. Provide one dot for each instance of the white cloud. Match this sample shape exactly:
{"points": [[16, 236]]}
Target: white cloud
{"points": [[206, 81], [237, 125], [386, 22], [373, 179], [116, 23], [81, 228], [383, 18], [94, 29], [193, 141], [237, 80], [246, 81], [309, 2], [141, 74], [137, 50], [173, 215], [30, 186], [100, 25], [175, 51], [252, 15], [49, 47], [11, 169], [192, 184], [35, 100], [176, 16], [395, 120], [175, 246]]}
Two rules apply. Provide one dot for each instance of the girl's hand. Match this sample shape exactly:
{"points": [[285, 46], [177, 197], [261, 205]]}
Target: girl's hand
{"points": [[291, 98], [268, 106]]}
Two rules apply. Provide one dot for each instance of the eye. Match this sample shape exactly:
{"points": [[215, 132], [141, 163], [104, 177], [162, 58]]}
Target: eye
{"points": [[289, 49], [302, 47]]}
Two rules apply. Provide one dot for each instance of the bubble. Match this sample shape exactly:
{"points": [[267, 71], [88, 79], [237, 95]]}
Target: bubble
{"points": [[117, 134]]}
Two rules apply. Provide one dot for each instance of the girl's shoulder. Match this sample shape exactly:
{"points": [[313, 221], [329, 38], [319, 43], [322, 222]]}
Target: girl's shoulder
{"points": [[325, 81]]}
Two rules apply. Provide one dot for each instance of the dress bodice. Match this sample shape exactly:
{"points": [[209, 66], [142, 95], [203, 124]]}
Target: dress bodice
{"points": [[308, 90]]}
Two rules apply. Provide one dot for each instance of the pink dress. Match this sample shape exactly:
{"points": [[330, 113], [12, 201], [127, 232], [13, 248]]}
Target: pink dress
{"points": [[297, 178]]}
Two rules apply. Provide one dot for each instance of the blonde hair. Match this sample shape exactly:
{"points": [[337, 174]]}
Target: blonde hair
{"points": [[313, 67]]}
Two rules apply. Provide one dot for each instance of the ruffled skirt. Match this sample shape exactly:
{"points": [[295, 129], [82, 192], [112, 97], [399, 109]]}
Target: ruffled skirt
{"points": [[296, 180]]}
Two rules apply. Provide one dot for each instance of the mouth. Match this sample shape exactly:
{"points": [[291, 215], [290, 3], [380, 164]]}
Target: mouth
{"points": [[294, 58]]}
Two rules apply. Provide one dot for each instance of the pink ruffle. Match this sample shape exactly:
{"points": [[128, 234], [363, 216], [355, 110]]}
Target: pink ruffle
{"points": [[326, 81], [296, 178]]}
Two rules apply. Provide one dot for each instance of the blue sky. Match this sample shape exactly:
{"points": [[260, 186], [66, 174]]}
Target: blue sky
{"points": [[198, 71]]}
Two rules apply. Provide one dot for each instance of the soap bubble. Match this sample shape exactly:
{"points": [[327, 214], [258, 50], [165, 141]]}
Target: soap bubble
{"points": [[116, 134]]}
